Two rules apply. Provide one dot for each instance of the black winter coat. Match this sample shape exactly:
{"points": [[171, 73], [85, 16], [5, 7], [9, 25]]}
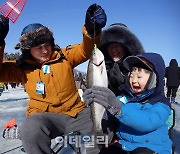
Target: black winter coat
{"points": [[118, 33], [173, 74]]}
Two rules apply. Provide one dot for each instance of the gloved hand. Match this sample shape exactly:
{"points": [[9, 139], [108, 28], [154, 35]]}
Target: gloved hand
{"points": [[95, 19], [104, 97], [116, 77], [4, 28]]}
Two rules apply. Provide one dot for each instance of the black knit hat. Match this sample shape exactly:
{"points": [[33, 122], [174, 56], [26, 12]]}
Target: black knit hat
{"points": [[34, 35]]}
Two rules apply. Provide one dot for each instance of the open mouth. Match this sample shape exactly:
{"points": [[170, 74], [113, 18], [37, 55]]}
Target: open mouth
{"points": [[136, 89]]}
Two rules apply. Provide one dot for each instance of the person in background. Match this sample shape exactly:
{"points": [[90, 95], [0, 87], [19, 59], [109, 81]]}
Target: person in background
{"points": [[173, 80], [117, 42], [1, 88], [6, 86], [82, 80], [142, 111], [46, 71]]}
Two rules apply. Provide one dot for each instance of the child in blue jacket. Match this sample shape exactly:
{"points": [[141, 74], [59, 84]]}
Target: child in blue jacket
{"points": [[142, 111]]}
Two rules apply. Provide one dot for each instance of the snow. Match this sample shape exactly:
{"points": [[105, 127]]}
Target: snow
{"points": [[13, 104]]}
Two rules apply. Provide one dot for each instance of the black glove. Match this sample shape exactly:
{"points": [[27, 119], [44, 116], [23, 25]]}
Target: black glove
{"points": [[4, 28], [116, 77], [95, 19], [104, 97]]}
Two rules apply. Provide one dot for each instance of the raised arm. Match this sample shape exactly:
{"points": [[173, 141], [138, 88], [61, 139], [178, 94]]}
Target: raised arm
{"points": [[95, 20]]}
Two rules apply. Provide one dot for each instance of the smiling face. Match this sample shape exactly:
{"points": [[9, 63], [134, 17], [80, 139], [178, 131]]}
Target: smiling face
{"points": [[116, 51], [138, 79], [42, 53]]}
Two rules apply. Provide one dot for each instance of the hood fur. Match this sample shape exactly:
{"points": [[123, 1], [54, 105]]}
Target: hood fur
{"points": [[120, 33]]}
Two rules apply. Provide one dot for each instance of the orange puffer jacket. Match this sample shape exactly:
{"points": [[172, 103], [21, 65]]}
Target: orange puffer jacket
{"points": [[60, 95]]}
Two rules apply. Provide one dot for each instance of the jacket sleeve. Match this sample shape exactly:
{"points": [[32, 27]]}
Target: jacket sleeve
{"points": [[9, 71], [1, 55], [79, 53], [144, 120]]}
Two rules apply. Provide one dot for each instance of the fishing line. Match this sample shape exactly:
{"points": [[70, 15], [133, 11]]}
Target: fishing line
{"points": [[94, 32]]}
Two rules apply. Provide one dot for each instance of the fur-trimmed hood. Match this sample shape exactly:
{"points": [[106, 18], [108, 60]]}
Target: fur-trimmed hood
{"points": [[120, 33]]}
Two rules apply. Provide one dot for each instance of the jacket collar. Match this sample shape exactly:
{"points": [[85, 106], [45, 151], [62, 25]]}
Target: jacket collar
{"points": [[31, 64]]}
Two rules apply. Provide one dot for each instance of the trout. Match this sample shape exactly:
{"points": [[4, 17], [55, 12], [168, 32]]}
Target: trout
{"points": [[97, 76]]}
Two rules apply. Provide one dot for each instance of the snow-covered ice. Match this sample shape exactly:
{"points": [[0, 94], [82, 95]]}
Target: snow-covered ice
{"points": [[13, 104]]}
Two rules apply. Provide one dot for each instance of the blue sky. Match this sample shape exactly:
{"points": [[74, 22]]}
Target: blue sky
{"points": [[155, 22]]}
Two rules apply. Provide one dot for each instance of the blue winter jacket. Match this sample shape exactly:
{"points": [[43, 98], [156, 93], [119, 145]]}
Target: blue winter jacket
{"points": [[144, 124]]}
